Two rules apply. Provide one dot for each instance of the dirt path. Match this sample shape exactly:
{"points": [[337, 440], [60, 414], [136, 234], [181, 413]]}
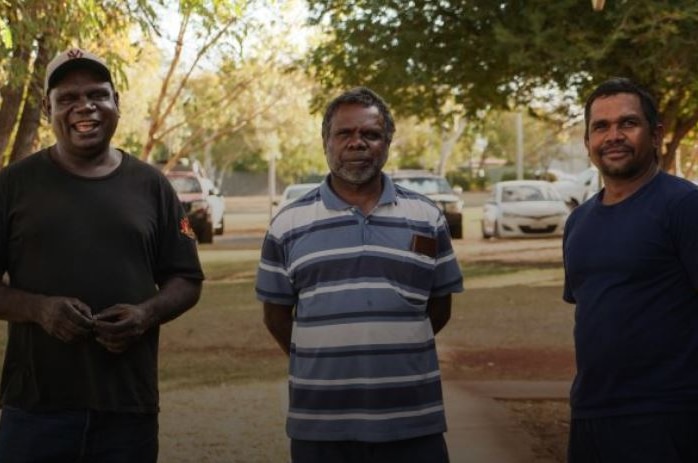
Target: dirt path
{"points": [[224, 424]]}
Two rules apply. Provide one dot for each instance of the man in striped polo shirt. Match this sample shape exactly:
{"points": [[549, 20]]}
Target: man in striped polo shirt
{"points": [[356, 278]]}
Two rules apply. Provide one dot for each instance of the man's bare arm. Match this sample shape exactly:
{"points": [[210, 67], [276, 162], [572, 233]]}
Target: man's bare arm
{"points": [[439, 311], [279, 321]]}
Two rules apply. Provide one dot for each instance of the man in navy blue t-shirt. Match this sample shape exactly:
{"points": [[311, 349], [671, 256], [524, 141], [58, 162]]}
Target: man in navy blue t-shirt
{"points": [[631, 268]]}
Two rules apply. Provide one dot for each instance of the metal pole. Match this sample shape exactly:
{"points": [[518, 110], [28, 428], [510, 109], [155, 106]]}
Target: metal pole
{"points": [[519, 147], [271, 182]]}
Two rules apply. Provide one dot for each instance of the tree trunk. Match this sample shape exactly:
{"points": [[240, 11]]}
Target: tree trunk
{"points": [[448, 142], [31, 113], [11, 94], [681, 128]]}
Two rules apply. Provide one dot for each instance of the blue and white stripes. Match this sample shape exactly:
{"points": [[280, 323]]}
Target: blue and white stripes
{"points": [[363, 360]]}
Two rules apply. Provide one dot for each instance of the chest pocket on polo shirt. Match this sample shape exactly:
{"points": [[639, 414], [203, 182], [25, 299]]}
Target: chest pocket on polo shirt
{"points": [[424, 245], [416, 273]]}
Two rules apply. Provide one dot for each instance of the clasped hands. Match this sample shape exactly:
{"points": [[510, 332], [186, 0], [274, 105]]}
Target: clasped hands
{"points": [[115, 327]]}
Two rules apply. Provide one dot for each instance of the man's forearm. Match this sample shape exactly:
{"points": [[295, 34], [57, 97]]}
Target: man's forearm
{"points": [[19, 306], [175, 296], [439, 312], [279, 321]]}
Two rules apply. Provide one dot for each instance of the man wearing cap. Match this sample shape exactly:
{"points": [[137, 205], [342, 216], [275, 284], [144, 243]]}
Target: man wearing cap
{"points": [[97, 253]]}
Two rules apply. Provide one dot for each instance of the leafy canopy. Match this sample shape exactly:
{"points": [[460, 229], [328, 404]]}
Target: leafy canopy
{"points": [[422, 54]]}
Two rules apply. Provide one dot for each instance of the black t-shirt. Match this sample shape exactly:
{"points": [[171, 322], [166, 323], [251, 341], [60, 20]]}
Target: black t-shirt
{"points": [[105, 241]]}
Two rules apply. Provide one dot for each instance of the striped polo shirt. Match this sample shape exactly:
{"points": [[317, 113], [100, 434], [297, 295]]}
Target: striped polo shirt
{"points": [[363, 361]]}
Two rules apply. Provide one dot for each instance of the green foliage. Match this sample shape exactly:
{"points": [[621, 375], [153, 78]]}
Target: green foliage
{"points": [[423, 54], [5, 35], [510, 174], [460, 178]]}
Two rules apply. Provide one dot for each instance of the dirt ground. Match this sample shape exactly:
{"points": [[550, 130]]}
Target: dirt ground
{"points": [[547, 421]]}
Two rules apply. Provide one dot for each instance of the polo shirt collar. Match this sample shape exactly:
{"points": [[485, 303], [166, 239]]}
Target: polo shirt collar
{"points": [[334, 202]]}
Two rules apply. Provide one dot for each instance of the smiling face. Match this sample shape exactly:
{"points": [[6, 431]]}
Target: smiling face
{"points": [[621, 143], [83, 110], [356, 147]]}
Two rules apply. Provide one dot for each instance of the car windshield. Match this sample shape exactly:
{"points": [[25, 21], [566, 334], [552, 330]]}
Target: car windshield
{"points": [[293, 193], [426, 185], [185, 185], [516, 193]]}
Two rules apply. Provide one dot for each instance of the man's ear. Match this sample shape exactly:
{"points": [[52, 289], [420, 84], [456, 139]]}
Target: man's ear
{"points": [[658, 136]]}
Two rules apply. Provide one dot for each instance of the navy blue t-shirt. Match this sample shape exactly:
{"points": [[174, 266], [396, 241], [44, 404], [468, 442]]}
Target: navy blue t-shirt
{"points": [[632, 270]]}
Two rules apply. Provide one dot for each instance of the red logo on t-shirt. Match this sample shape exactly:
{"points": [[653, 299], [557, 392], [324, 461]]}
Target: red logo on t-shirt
{"points": [[185, 228]]}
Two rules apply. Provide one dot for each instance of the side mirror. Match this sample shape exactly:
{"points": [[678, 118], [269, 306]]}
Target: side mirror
{"points": [[458, 190]]}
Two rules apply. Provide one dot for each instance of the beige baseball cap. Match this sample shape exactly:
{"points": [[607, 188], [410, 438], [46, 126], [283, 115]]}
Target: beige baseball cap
{"points": [[74, 58]]}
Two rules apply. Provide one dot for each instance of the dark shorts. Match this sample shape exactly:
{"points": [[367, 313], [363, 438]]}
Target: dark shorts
{"points": [[651, 438], [77, 437], [427, 449]]}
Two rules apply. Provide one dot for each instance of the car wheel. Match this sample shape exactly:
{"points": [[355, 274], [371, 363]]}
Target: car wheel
{"points": [[456, 231], [485, 235], [220, 230], [206, 234], [572, 203]]}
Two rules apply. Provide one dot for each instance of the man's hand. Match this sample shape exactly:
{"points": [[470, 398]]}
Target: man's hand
{"points": [[121, 325], [67, 319]]}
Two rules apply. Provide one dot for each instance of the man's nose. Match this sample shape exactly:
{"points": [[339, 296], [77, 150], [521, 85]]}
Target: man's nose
{"points": [[356, 141], [86, 104], [615, 133]]}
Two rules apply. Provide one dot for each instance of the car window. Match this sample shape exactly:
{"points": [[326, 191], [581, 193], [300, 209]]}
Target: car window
{"points": [[297, 192], [185, 185], [511, 194], [425, 185]]}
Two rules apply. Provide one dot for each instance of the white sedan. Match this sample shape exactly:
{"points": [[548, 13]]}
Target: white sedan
{"points": [[291, 193], [524, 208]]}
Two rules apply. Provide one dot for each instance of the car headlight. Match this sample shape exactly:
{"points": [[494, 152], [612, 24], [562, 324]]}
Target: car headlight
{"points": [[199, 205], [453, 207]]}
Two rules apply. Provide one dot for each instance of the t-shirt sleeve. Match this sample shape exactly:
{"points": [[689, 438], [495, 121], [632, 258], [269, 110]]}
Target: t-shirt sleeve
{"points": [[685, 234], [177, 256]]}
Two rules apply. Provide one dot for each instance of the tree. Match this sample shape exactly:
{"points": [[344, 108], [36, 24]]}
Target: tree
{"points": [[205, 28], [254, 102], [480, 54]]}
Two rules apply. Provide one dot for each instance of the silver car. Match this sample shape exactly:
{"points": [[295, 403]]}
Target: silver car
{"points": [[438, 190], [524, 208]]}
